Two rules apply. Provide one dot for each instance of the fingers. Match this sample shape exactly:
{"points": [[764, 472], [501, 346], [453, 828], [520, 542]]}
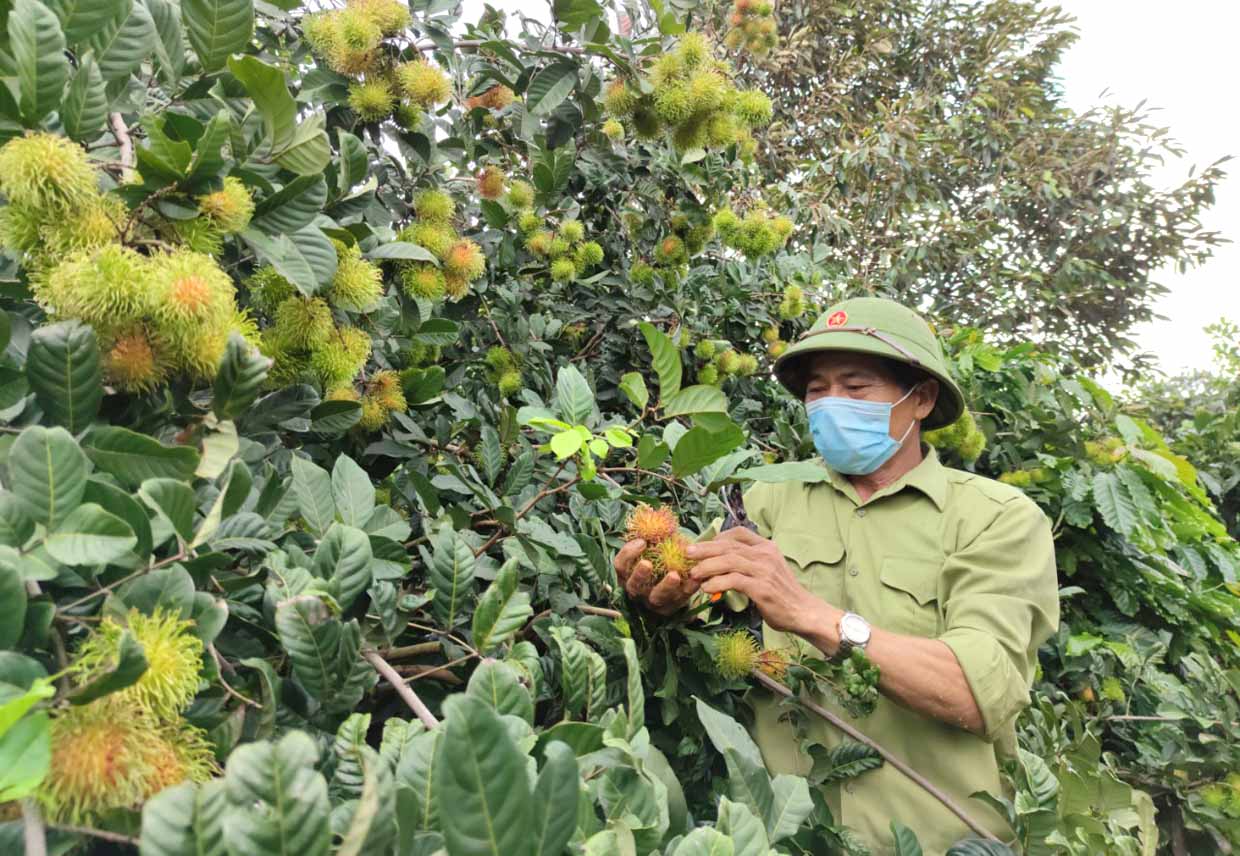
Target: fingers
{"points": [[741, 535], [726, 582], [729, 564], [670, 594], [627, 557], [639, 582]]}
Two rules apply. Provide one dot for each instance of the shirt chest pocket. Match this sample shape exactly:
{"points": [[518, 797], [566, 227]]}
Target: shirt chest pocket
{"points": [[815, 561], [908, 597]]}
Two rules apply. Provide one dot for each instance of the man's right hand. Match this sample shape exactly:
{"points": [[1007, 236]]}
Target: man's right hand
{"points": [[636, 574]]}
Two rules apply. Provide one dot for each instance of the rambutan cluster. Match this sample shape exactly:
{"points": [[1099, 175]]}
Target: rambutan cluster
{"points": [[116, 752], [564, 249], [54, 204], [758, 233], [962, 436], [752, 27], [665, 545], [793, 303], [496, 97], [775, 344], [720, 361], [688, 93], [382, 395], [460, 259], [1025, 478], [357, 284], [503, 369]]}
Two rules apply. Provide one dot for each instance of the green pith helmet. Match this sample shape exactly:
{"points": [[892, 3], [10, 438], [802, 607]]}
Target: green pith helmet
{"points": [[884, 328]]}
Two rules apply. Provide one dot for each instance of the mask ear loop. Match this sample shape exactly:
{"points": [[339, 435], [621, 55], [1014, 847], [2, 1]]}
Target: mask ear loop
{"points": [[908, 430]]}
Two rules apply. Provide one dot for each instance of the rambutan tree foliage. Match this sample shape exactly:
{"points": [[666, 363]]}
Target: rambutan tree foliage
{"points": [[342, 347]]}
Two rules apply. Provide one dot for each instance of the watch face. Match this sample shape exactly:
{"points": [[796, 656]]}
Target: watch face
{"points": [[854, 629]]}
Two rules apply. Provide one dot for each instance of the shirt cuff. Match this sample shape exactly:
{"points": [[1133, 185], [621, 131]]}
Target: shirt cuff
{"points": [[998, 689]]}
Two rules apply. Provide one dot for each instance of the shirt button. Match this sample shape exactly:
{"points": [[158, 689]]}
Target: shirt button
{"points": [[861, 512], [852, 572]]}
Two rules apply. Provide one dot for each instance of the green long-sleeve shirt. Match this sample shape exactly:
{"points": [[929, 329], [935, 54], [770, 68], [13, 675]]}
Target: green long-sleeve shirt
{"points": [[942, 554]]}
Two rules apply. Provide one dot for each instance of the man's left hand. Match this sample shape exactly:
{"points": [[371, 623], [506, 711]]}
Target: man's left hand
{"points": [[752, 565]]}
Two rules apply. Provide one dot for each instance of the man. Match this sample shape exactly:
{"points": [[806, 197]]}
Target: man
{"points": [[946, 579]]}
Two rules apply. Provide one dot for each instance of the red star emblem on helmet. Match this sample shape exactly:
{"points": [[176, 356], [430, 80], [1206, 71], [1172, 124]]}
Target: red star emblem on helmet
{"points": [[837, 319]]}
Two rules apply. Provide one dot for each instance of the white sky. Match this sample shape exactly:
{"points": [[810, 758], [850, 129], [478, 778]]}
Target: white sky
{"points": [[1181, 59]]}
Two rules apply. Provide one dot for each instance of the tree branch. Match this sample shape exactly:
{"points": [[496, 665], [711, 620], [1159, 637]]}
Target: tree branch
{"points": [[916, 777], [114, 837], [32, 826], [117, 122], [402, 689]]}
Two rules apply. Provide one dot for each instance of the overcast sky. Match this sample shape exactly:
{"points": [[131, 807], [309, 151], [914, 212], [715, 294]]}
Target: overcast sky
{"points": [[1180, 58]]}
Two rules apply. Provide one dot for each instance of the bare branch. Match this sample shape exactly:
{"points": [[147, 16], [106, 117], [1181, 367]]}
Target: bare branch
{"points": [[402, 689]]}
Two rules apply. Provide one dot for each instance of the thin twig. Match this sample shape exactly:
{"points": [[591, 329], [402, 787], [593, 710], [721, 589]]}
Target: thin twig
{"points": [[33, 829], [121, 132], [111, 586], [599, 610], [114, 837], [435, 671], [457, 639], [542, 494], [402, 689], [219, 662], [916, 777], [412, 650]]}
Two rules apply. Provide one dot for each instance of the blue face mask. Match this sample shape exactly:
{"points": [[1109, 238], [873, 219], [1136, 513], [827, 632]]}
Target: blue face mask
{"points": [[853, 436]]}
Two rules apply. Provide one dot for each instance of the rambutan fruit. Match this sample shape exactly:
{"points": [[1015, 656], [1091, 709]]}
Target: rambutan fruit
{"points": [[754, 108], [20, 229], [705, 349], [645, 123], [747, 365], [357, 284], [726, 223], [434, 236], [669, 557], [338, 359], [372, 100], [706, 90], [422, 279], [558, 247], [770, 334], [641, 273], [588, 255], [374, 414], [173, 655], [385, 388], [670, 251], [721, 129], [728, 362], [390, 16], [490, 182], [499, 359], [455, 286], [322, 32], [178, 752], [693, 49], [563, 270], [613, 130], [736, 654], [230, 208], [97, 221], [708, 375], [423, 83], [651, 525], [572, 231], [108, 288], [509, 382], [46, 172], [342, 393], [666, 70], [619, 99], [132, 362], [773, 664], [408, 116], [521, 195], [199, 235], [189, 292], [529, 222], [495, 98], [268, 289], [303, 322], [464, 259], [673, 104], [776, 349], [434, 206]]}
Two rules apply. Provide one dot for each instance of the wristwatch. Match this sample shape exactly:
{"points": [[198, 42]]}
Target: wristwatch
{"points": [[854, 633]]}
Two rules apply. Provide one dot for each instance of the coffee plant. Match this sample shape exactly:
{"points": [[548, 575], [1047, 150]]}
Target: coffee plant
{"points": [[343, 345]]}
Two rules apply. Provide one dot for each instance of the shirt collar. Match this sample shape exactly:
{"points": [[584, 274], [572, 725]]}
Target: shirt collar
{"points": [[928, 477]]}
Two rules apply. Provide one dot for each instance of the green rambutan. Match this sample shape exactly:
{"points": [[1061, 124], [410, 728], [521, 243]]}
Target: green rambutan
{"points": [[728, 362], [268, 289], [109, 288], [390, 16], [613, 130], [776, 349], [705, 349], [563, 270], [374, 414], [747, 365], [372, 100], [338, 359], [572, 231], [558, 247], [408, 116], [423, 83], [199, 235], [619, 99], [708, 375], [645, 123], [229, 208], [669, 557], [726, 223], [434, 206], [670, 251], [303, 322], [641, 273], [97, 221], [706, 89], [754, 108], [499, 359], [46, 172], [521, 195], [357, 284], [693, 49], [322, 31], [455, 286], [588, 255], [422, 279], [509, 382], [736, 654], [529, 222], [770, 334], [673, 104], [432, 235], [173, 655], [721, 129]]}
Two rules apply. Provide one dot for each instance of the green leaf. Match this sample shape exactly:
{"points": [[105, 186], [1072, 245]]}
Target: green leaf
{"points": [[633, 385], [279, 804], [171, 588], [555, 790], [700, 447], [292, 207], [79, 19], [312, 487], [979, 847], [90, 536], [12, 606], [372, 828], [217, 28], [170, 47], [38, 47], [343, 558], [25, 756], [62, 366], [502, 610], [451, 576], [402, 250], [302, 148], [666, 360], [575, 14], [744, 828], [239, 379], [85, 108], [483, 794], [311, 637], [14, 707], [573, 397], [47, 474], [185, 819], [174, 501], [843, 761], [130, 665], [416, 771], [1114, 503], [353, 492], [497, 684], [636, 695], [704, 841], [574, 670], [300, 258], [695, 399], [565, 444], [354, 161], [121, 44], [549, 87], [133, 458]]}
